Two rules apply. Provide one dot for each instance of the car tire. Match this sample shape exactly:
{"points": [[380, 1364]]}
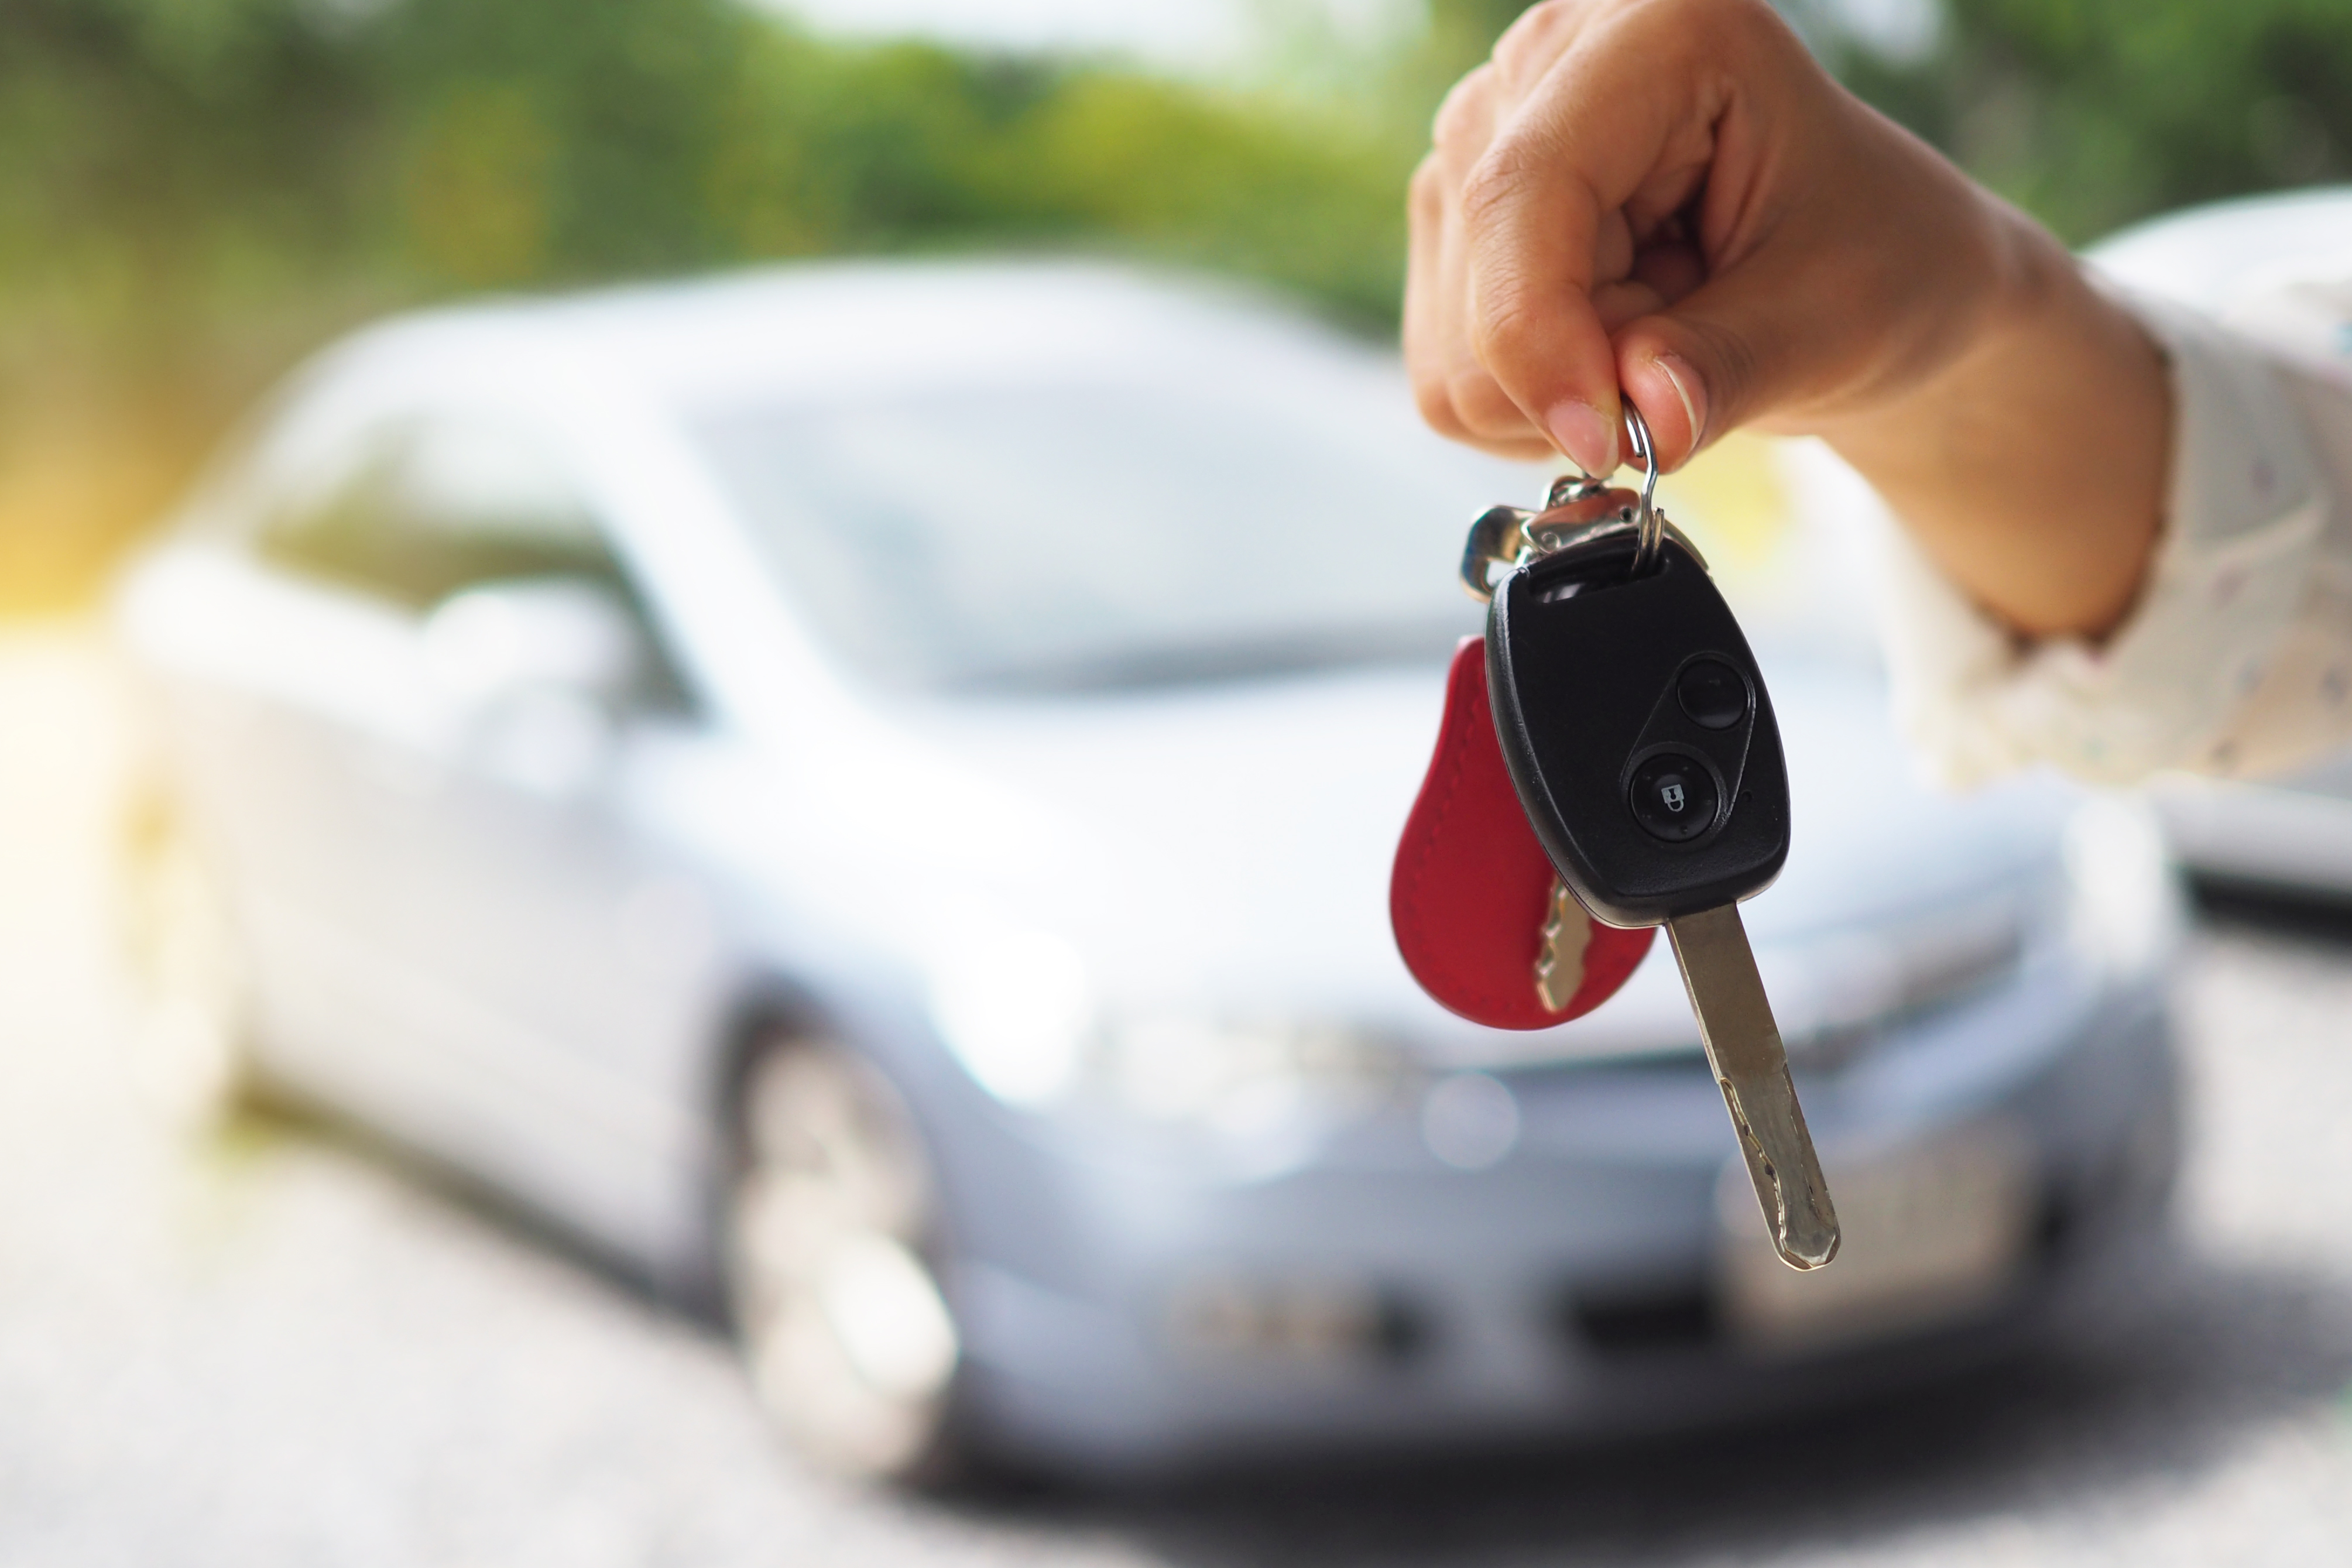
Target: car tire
{"points": [[191, 983], [832, 1253]]}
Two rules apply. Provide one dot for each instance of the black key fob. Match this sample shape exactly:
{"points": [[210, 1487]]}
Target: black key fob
{"points": [[1637, 729], [1643, 746]]}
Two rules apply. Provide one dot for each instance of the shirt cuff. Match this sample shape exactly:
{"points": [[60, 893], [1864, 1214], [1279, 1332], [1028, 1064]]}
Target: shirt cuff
{"points": [[2244, 514]]}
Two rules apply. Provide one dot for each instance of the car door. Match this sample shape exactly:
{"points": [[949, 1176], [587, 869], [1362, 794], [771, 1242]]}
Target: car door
{"points": [[471, 941]]}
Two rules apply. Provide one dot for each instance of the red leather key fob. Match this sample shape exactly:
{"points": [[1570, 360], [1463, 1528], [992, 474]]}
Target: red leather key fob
{"points": [[1473, 892]]}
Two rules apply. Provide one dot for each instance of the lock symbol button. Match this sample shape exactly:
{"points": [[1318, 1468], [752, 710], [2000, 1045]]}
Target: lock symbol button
{"points": [[1673, 796]]}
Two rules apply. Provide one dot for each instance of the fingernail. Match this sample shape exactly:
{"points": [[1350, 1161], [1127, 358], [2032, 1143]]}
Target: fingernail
{"points": [[1579, 430], [1691, 390]]}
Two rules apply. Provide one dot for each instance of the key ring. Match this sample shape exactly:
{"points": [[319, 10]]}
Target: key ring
{"points": [[1502, 536], [1650, 524], [1651, 530]]}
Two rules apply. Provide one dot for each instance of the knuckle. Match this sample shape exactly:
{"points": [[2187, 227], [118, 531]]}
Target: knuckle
{"points": [[1500, 322], [1484, 409], [1425, 196], [1534, 32], [1718, 27], [1543, 33], [1463, 116], [1497, 182], [1432, 397]]}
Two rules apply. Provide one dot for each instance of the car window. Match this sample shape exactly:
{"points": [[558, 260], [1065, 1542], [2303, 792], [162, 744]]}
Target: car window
{"points": [[1135, 529], [433, 508], [437, 506], [1113, 533]]}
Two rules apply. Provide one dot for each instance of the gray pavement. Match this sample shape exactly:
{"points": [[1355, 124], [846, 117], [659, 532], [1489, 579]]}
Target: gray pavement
{"points": [[274, 1347]]}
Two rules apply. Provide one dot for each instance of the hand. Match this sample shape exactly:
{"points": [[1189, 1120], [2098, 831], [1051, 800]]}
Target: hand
{"points": [[1672, 197]]}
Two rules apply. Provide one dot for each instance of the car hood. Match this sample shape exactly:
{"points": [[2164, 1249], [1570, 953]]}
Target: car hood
{"points": [[1227, 848]]}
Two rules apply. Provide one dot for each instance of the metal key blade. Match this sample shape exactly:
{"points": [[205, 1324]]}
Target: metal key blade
{"points": [[1560, 968], [1743, 1045]]}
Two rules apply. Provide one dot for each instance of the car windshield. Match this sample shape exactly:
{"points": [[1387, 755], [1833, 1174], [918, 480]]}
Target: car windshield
{"points": [[1110, 533]]}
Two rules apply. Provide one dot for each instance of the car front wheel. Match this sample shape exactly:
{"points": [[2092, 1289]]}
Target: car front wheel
{"points": [[190, 986], [832, 1243]]}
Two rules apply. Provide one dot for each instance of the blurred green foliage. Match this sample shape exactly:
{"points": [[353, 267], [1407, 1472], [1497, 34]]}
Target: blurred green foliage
{"points": [[2091, 113], [193, 192], [166, 161]]}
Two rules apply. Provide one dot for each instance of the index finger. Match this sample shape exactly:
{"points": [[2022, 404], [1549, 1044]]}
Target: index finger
{"points": [[1578, 149]]}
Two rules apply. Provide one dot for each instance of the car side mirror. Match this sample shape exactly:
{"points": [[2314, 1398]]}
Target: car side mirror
{"points": [[536, 670], [502, 641]]}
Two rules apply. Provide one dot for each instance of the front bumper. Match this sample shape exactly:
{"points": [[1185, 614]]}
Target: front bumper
{"points": [[1573, 1288]]}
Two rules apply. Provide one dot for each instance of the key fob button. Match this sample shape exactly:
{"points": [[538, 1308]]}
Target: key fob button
{"points": [[1673, 796], [1713, 693]]}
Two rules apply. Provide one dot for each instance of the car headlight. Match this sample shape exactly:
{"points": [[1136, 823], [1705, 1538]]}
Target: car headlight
{"points": [[2126, 910], [1015, 1006], [1238, 1075]]}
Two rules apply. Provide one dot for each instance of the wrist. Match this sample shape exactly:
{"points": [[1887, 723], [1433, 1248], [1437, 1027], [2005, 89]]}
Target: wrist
{"points": [[2030, 465], [1963, 298]]}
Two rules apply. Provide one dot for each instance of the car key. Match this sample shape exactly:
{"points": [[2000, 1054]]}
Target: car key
{"points": [[1643, 748]]}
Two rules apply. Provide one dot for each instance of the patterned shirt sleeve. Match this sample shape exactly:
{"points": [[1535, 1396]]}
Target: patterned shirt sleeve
{"points": [[2236, 657]]}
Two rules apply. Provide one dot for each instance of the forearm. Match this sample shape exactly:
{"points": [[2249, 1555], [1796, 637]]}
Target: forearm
{"points": [[2032, 468]]}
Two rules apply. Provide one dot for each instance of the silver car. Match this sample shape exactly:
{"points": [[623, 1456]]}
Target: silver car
{"points": [[865, 793]]}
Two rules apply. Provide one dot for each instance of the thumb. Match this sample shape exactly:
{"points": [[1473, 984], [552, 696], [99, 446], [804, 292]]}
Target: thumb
{"points": [[1726, 353]]}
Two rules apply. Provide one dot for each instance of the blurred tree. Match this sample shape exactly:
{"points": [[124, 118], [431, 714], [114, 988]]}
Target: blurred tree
{"points": [[166, 166], [154, 151], [2091, 113], [555, 139]]}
